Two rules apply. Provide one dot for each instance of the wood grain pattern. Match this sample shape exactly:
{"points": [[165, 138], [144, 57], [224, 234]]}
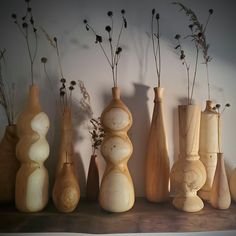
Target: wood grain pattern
{"points": [[208, 147], [31, 192], [8, 164], [220, 194], [157, 160], [116, 191], [66, 191], [143, 217], [188, 174]]}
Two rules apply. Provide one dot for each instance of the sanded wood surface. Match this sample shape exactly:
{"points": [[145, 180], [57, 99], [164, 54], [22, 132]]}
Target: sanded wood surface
{"points": [[143, 217]]}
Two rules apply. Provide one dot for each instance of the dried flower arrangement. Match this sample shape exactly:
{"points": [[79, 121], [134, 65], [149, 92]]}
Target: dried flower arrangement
{"points": [[156, 43], [26, 25], [115, 48], [199, 38], [65, 90], [7, 92]]}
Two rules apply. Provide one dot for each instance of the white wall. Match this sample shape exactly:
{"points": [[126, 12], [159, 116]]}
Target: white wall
{"points": [[82, 59]]}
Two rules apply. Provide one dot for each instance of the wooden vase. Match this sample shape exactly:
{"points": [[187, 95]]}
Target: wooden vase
{"points": [[220, 194], [66, 191], [208, 147], [157, 160], [92, 187], [232, 185], [116, 191], [8, 164], [31, 192], [188, 174]]}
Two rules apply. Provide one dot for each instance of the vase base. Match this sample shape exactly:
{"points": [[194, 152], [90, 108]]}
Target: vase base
{"points": [[188, 204]]}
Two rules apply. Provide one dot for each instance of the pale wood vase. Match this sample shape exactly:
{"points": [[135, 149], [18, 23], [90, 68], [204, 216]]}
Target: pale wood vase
{"points": [[232, 185], [92, 187], [220, 194], [208, 147], [157, 160], [31, 192], [188, 174], [66, 191], [8, 164], [116, 191]]}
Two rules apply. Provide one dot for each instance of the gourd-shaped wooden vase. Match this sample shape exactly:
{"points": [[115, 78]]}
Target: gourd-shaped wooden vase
{"points": [[31, 193], [188, 174], [8, 164], [220, 194], [208, 147], [157, 160], [92, 187], [232, 185], [116, 191], [66, 191]]}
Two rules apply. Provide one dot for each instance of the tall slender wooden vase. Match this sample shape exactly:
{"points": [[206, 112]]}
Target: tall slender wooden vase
{"points": [[116, 191], [66, 191], [92, 186], [188, 174], [208, 147], [157, 160], [232, 185], [220, 194], [8, 164], [31, 193]]}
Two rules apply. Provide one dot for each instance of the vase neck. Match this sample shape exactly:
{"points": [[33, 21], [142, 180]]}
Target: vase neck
{"points": [[158, 94], [33, 98], [209, 105], [116, 93]]}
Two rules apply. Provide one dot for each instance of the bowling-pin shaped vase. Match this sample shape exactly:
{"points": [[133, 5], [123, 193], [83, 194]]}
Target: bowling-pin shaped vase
{"points": [[116, 191], [188, 174], [31, 192], [157, 160], [66, 191], [208, 147]]}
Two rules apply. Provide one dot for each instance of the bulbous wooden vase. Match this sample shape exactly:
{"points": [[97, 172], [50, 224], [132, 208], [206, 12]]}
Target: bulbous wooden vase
{"points": [[66, 191], [116, 191], [208, 147], [92, 187], [220, 194], [232, 185], [8, 164], [157, 160], [188, 174], [31, 192]]}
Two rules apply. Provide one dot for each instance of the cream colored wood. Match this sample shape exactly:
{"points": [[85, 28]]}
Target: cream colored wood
{"points": [[157, 160], [116, 191], [66, 191], [188, 174], [208, 147], [220, 194], [8, 164], [31, 192], [232, 185]]}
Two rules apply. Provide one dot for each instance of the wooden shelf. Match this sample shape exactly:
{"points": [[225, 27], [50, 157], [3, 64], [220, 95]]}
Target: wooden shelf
{"points": [[144, 217]]}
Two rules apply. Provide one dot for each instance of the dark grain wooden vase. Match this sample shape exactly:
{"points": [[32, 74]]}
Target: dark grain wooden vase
{"points": [[92, 187]]}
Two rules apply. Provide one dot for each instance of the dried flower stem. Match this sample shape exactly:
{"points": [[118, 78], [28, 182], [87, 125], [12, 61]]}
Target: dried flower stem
{"points": [[156, 48]]}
